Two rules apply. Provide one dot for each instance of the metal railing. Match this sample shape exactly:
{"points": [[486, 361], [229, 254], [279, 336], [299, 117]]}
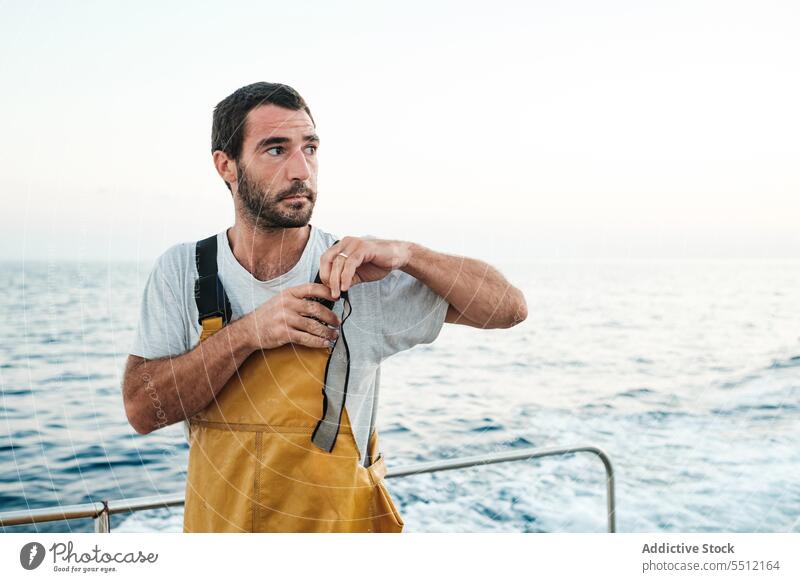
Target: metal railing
{"points": [[101, 511]]}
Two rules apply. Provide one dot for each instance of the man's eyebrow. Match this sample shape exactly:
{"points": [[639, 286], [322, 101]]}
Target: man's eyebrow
{"points": [[268, 141]]}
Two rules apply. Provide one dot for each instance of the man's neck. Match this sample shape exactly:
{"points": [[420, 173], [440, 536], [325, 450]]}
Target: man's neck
{"points": [[267, 254]]}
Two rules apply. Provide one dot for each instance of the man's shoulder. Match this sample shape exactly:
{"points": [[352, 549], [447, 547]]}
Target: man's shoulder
{"points": [[177, 257], [176, 266]]}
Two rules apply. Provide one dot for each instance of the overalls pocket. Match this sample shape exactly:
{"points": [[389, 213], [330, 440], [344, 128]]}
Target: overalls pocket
{"points": [[386, 517]]}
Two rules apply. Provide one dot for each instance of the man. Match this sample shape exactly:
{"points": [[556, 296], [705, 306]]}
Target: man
{"points": [[266, 339]]}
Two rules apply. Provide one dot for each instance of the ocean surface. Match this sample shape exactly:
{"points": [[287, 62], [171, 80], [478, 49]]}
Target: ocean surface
{"points": [[687, 373]]}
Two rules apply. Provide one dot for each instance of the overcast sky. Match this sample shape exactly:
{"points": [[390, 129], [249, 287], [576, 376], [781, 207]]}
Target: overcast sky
{"points": [[500, 130]]}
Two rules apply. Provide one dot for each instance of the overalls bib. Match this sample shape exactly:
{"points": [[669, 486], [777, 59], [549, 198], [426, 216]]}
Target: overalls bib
{"points": [[252, 464]]}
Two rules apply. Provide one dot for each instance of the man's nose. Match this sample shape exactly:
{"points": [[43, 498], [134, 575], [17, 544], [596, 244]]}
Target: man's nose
{"points": [[297, 167]]}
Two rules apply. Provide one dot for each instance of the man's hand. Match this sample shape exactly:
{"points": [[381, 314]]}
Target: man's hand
{"points": [[184, 385], [287, 318], [366, 260]]}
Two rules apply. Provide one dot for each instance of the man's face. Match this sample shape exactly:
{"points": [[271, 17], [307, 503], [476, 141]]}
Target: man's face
{"points": [[277, 170]]}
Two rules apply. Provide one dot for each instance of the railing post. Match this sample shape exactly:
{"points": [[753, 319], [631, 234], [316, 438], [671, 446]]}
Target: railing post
{"points": [[102, 521], [610, 495]]}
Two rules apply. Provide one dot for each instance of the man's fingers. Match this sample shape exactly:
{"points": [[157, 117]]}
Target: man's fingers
{"points": [[306, 339], [326, 260], [313, 309], [312, 290], [313, 327], [337, 271], [349, 271], [333, 282]]}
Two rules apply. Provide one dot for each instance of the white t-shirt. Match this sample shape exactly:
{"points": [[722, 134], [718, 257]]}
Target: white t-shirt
{"points": [[388, 316]]}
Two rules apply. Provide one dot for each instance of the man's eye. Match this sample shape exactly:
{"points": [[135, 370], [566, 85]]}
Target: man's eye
{"points": [[276, 151], [311, 150]]}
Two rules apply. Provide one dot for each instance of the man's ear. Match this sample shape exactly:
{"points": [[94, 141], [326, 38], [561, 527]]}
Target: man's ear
{"points": [[226, 167]]}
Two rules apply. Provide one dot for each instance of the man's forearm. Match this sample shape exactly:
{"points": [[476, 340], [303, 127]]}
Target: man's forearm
{"points": [[474, 288], [161, 392]]}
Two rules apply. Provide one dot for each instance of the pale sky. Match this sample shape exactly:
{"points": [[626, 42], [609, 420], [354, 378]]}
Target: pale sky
{"points": [[500, 130]]}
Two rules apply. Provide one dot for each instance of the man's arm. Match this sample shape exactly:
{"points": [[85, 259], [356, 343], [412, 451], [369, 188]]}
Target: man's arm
{"points": [[477, 293], [163, 391], [160, 392]]}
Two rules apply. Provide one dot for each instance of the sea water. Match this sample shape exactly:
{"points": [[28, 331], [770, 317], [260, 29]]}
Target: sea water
{"points": [[687, 373]]}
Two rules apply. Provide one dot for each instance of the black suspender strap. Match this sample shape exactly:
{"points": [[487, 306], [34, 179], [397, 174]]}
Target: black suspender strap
{"points": [[209, 294], [337, 377], [334, 393]]}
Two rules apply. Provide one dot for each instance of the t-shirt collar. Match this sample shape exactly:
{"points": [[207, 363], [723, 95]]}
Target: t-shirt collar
{"points": [[239, 271]]}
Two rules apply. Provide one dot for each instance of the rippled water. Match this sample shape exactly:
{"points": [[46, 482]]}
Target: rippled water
{"points": [[685, 372]]}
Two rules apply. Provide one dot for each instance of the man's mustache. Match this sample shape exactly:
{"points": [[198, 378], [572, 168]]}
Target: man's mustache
{"points": [[296, 189]]}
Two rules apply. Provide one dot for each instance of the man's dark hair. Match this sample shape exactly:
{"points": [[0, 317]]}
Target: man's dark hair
{"points": [[228, 127]]}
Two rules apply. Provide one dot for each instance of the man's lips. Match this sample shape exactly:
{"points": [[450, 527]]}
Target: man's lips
{"points": [[295, 197]]}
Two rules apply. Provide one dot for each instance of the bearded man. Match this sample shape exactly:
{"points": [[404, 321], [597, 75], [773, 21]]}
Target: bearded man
{"points": [[266, 338]]}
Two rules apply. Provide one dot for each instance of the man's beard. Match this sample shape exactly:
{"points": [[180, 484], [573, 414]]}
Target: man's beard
{"points": [[264, 209]]}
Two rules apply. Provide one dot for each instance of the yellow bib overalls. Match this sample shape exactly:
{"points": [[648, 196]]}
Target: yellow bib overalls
{"points": [[253, 466]]}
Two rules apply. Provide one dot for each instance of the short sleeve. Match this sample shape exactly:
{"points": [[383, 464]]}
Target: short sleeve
{"points": [[163, 330], [412, 313]]}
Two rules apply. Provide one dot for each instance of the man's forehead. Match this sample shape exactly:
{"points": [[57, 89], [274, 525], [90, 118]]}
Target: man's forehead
{"points": [[271, 120]]}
